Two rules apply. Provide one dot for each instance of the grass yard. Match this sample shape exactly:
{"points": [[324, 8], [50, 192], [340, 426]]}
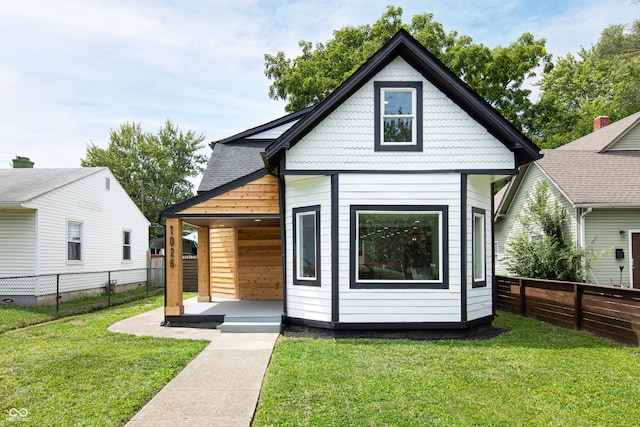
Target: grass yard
{"points": [[534, 375], [13, 317], [73, 372]]}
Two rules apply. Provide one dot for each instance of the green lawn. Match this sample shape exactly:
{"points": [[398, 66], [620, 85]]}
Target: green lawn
{"points": [[13, 317], [73, 372], [534, 375]]}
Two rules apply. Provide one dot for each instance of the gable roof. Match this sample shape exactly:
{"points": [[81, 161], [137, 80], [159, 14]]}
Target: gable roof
{"points": [[602, 139], [404, 45], [22, 185], [240, 155]]}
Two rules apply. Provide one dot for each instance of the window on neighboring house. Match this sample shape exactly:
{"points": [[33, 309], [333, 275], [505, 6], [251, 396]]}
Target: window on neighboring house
{"points": [[126, 245], [74, 241], [399, 247], [478, 245], [398, 116], [306, 234]]}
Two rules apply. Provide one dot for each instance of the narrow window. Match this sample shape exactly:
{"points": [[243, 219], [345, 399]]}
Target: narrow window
{"points": [[306, 232], [399, 247], [74, 241], [398, 116], [126, 245], [479, 248], [107, 183]]}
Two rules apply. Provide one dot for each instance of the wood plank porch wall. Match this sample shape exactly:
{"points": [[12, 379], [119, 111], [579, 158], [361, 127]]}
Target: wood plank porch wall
{"points": [[224, 262], [259, 263]]}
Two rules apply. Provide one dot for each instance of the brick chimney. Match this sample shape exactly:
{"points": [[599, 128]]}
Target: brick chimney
{"points": [[600, 122]]}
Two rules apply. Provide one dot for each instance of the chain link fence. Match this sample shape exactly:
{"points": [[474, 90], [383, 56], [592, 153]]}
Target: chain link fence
{"points": [[26, 300]]}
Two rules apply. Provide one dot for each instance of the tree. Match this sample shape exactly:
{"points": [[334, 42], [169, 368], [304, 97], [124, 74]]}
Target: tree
{"points": [[496, 74], [540, 247], [152, 169], [602, 80]]}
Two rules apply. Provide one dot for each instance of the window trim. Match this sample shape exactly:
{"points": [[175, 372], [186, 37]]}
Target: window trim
{"points": [[443, 283], [125, 245], [479, 282], [379, 144], [80, 225], [296, 213]]}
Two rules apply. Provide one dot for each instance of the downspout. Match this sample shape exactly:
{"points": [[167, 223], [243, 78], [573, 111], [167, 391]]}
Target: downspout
{"points": [[583, 238]]}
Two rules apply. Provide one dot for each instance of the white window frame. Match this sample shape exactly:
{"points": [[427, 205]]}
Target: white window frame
{"points": [[412, 116], [126, 245], [80, 241], [479, 275], [298, 276]]}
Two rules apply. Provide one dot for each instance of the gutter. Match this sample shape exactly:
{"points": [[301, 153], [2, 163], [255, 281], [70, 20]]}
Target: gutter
{"points": [[583, 238], [11, 205]]}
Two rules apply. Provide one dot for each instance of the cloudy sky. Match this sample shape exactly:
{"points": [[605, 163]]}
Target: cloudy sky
{"points": [[71, 70]]}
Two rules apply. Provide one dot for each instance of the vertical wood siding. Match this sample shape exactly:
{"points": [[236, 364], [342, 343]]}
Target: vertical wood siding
{"points": [[603, 228], [310, 302], [224, 262], [479, 300], [452, 139], [104, 214], [400, 305]]}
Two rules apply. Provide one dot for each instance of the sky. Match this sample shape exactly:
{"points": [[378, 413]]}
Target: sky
{"points": [[72, 71]]}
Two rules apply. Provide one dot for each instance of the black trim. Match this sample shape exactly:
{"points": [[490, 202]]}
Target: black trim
{"points": [[402, 172], [283, 236], [478, 283], [294, 213], [402, 44], [378, 145], [444, 244], [494, 283], [171, 212], [242, 136], [463, 247], [335, 254], [389, 325]]}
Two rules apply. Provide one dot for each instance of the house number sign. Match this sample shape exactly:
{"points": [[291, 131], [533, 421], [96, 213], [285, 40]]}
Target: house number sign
{"points": [[172, 249]]}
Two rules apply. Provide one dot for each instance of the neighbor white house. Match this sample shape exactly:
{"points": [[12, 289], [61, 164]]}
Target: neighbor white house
{"points": [[71, 222], [596, 178]]}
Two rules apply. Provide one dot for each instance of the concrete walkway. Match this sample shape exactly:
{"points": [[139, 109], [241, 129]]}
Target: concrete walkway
{"points": [[220, 387]]}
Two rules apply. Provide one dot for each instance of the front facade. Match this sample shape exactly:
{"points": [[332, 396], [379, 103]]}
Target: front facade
{"points": [[385, 198], [67, 221], [596, 179]]}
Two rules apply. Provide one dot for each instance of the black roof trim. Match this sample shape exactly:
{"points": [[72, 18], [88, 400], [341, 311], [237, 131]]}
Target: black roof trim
{"points": [[263, 127], [171, 211], [404, 45]]}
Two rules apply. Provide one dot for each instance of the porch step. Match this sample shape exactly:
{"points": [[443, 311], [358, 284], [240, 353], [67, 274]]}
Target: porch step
{"points": [[250, 324]]}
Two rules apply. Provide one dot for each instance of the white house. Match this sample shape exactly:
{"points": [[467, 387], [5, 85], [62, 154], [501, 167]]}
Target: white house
{"points": [[71, 222], [375, 204], [596, 178]]}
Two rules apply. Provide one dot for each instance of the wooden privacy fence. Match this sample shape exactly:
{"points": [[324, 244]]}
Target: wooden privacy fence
{"points": [[606, 311]]}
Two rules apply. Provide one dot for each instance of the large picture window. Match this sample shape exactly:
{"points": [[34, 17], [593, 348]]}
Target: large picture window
{"points": [[74, 241], [398, 116], [399, 246], [306, 244], [478, 248]]}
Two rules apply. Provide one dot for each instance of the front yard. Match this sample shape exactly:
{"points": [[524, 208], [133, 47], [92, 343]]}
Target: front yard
{"points": [[73, 372], [535, 374]]}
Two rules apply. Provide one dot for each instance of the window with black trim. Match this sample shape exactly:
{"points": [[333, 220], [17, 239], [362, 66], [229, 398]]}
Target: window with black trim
{"points": [[479, 253], [306, 246], [399, 247], [398, 116], [74, 241], [126, 245]]}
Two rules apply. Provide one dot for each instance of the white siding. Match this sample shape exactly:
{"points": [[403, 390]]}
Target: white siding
{"points": [[631, 141], [479, 300], [273, 133], [400, 305], [603, 228], [505, 227], [104, 214], [309, 302], [17, 242], [452, 139]]}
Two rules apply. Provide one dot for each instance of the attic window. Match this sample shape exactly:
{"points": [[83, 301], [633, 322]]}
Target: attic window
{"points": [[398, 116], [107, 183]]}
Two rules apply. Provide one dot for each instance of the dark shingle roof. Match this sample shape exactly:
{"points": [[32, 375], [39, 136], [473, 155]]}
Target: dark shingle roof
{"points": [[229, 162]]}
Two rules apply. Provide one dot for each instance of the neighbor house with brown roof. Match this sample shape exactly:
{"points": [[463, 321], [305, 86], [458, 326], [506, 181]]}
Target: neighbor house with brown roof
{"points": [[596, 178]]}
